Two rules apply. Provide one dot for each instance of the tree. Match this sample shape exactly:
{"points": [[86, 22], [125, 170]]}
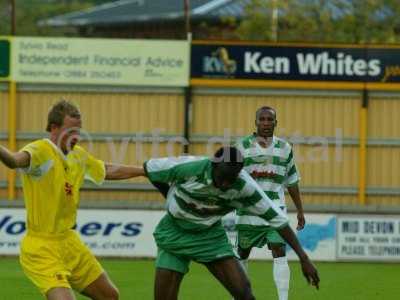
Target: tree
{"points": [[28, 13], [326, 21]]}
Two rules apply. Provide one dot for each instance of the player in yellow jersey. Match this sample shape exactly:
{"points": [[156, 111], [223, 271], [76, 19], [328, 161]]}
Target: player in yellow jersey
{"points": [[52, 255]]}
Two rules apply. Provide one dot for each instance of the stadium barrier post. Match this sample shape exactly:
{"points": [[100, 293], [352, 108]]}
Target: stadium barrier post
{"points": [[12, 134], [363, 149]]}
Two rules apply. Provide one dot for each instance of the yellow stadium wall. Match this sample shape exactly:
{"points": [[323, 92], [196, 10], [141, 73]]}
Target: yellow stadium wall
{"points": [[313, 121], [107, 112], [119, 118], [306, 115], [382, 161]]}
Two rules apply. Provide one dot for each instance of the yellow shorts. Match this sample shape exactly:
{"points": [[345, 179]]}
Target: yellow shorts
{"points": [[58, 261]]}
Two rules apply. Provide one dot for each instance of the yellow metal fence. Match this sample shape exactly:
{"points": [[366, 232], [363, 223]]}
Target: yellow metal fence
{"points": [[130, 126]]}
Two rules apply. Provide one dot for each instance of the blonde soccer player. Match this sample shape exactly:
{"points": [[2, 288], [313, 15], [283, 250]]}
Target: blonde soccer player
{"points": [[52, 255]]}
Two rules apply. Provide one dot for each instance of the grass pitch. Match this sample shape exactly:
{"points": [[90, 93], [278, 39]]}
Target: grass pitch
{"points": [[134, 278]]}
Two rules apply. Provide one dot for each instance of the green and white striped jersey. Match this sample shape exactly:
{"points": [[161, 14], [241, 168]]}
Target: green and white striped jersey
{"points": [[196, 203], [273, 168]]}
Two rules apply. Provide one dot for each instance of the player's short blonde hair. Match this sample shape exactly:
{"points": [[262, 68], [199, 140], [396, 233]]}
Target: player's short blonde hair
{"points": [[59, 111]]}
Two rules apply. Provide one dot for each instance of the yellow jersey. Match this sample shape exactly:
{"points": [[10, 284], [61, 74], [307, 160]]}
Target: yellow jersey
{"points": [[51, 185]]}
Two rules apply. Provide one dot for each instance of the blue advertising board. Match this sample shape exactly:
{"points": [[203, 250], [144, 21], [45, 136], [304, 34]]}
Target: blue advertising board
{"points": [[290, 63]]}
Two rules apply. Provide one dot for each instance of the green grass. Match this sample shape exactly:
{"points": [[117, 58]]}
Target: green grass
{"points": [[134, 278]]}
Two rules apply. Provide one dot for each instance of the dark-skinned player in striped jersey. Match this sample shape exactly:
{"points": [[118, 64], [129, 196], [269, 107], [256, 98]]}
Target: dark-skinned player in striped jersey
{"points": [[270, 162], [199, 192]]}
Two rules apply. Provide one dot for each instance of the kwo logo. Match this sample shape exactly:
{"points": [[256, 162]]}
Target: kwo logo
{"points": [[219, 62]]}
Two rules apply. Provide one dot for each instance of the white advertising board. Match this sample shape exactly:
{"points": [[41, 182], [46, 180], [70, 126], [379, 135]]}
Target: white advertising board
{"points": [[369, 237], [100, 61], [106, 232], [129, 233], [318, 237]]}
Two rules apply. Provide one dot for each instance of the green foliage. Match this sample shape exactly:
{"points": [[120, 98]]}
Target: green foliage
{"points": [[323, 21], [256, 18], [29, 12], [318, 21]]}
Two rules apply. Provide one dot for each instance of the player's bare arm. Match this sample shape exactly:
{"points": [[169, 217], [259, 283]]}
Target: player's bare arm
{"points": [[119, 171], [14, 160], [309, 271], [294, 193]]}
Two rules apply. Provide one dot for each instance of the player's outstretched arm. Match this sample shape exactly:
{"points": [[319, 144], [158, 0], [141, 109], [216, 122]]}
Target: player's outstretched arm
{"points": [[117, 171], [14, 160], [309, 271]]}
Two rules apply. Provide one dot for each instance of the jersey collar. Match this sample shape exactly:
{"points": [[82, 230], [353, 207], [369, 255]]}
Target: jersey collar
{"points": [[257, 144], [58, 150]]}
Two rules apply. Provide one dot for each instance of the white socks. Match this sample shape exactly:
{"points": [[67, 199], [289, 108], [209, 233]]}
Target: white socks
{"points": [[281, 274]]}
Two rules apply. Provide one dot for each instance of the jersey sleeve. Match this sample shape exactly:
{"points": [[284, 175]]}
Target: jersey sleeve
{"points": [[94, 169], [242, 144], [256, 202], [292, 175], [38, 159], [238, 144], [170, 169]]}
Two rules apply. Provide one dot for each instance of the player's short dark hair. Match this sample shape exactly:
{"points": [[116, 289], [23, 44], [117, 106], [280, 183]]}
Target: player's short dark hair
{"points": [[59, 111], [229, 162], [262, 108], [228, 155]]}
